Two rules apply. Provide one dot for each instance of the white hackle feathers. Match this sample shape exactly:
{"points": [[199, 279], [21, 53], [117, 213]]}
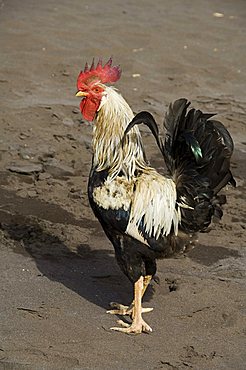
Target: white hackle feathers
{"points": [[114, 114]]}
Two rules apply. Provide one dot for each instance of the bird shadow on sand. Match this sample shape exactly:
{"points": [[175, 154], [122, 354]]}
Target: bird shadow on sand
{"points": [[92, 274]]}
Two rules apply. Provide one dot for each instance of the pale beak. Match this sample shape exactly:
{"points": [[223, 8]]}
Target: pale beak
{"points": [[81, 94]]}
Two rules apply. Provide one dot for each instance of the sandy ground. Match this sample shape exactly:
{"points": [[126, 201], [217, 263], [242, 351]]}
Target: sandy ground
{"points": [[58, 271]]}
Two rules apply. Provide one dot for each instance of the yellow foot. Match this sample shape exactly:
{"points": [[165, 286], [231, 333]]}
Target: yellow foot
{"points": [[134, 328], [120, 309]]}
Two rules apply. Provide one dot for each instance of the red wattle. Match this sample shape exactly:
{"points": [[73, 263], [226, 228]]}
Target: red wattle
{"points": [[89, 108]]}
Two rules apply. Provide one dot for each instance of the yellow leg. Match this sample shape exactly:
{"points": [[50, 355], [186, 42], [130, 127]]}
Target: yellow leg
{"points": [[146, 281], [138, 324], [120, 309]]}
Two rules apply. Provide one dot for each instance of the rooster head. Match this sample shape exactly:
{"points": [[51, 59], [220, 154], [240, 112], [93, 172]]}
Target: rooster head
{"points": [[91, 86]]}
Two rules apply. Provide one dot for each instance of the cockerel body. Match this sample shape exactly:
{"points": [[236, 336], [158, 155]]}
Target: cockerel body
{"points": [[145, 215]]}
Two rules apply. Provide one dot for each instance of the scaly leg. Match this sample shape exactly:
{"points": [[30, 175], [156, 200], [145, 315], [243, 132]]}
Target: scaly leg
{"points": [[138, 324], [146, 281], [120, 309]]}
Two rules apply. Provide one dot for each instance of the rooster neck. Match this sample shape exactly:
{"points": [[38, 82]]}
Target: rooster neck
{"points": [[110, 154]]}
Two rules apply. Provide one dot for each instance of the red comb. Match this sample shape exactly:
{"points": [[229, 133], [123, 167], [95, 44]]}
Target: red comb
{"points": [[99, 73]]}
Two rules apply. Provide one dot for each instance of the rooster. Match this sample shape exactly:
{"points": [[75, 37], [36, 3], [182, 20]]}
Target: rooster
{"points": [[144, 214]]}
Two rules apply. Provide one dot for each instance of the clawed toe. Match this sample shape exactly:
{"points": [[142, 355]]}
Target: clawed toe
{"points": [[119, 309], [134, 328]]}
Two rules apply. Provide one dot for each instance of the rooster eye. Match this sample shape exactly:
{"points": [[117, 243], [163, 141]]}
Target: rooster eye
{"points": [[96, 90]]}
